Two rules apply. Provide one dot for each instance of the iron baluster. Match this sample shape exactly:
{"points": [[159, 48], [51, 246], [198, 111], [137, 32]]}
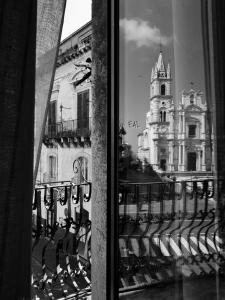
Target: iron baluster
{"points": [[48, 204], [34, 204], [155, 233], [87, 196], [63, 200], [46, 280], [76, 193], [203, 215]]}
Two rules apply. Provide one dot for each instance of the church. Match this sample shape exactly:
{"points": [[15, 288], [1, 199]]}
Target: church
{"points": [[176, 136]]}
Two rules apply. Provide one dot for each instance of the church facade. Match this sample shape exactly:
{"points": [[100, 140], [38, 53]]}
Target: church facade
{"points": [[174, 138]]}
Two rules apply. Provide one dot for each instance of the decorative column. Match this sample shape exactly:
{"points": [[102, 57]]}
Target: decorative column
{"points": [[184, 160], [179, 162], [203, 167], [198, 160], [203, 124], [171, 156], [156, 162], [183, 122]]}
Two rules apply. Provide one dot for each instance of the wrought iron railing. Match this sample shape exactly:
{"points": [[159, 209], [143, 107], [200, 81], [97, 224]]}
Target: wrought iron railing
{"points": [[168, 231], [61, 257], [69, 129]]}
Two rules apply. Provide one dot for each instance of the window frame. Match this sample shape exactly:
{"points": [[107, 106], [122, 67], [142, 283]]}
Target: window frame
{"points": [[190, 128], [52, 167]]}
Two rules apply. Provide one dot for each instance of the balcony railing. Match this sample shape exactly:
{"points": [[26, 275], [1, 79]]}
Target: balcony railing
{"points": [[61, 257], [167, 231], [69, 129]]}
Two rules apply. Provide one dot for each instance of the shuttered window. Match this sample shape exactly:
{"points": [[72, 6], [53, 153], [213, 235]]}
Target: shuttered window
{"points": [[52, 113], [83, 109]]}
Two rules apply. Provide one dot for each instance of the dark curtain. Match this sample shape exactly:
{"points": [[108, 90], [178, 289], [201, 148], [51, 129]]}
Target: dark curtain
{"points": [[17, 86], [21, 52]]}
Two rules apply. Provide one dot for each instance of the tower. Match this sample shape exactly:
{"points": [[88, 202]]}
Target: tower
{"points": [[159, 133]]}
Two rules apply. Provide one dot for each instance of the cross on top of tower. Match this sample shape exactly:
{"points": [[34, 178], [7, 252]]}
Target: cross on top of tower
{"points": [[192, 84]]}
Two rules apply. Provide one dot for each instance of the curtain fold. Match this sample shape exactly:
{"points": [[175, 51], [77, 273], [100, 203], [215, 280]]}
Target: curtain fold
{"points": [[17, 81], [50, 14], [19, 57]]}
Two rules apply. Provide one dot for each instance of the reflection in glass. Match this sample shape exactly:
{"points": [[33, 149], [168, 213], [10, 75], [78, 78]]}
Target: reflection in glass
{"points": [[168, 227]]}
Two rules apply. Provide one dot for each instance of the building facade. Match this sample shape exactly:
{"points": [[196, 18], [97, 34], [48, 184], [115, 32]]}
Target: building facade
{"points": [[67, 135], [175, 138]]}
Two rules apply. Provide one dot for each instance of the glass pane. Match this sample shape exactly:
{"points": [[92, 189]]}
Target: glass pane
{"points": [[169, 229], [61, 257]]}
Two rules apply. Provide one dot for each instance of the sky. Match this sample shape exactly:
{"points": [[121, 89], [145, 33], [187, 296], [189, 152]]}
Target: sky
{"points": [[146, 26], [77, 13]]}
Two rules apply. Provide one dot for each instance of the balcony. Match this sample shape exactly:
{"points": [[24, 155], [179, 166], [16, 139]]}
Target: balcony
{"points": [[168, 231], [68, 131], [61, 258]]}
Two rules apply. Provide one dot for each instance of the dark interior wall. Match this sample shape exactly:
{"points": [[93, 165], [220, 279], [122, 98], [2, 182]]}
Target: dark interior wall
{"points": [[17, 79], [218, 12]]}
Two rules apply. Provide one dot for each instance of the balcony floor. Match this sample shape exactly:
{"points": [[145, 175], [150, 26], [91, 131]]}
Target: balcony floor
{"points": [[208, 288]]}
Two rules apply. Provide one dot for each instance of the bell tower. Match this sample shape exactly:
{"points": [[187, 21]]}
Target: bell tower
{"points": [[160, 79], [160, 116]]}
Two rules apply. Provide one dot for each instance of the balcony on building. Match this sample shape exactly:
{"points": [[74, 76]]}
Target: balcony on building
{"points": [[70, 131]]}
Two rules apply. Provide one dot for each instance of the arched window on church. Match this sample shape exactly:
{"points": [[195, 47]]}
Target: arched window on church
{"points": [[161, 116], [163, 89]]}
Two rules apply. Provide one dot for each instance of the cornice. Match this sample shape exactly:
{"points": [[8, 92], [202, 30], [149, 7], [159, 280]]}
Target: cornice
{"points": [[72, 53]]}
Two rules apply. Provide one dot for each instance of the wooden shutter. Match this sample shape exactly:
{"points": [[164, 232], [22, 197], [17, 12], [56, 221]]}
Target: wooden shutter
{"points": [[83, 110], [52, 113]]}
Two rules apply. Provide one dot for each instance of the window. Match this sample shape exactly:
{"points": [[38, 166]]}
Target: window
{"points": [[52, 113], [162, 151], [192, 131], [52, 167], [160, 239], [83, 110], [163, 89], [162, 116]]}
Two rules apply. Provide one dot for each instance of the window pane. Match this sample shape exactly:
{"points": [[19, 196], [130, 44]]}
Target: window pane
{"points": [[61, 258], [168, 230]]}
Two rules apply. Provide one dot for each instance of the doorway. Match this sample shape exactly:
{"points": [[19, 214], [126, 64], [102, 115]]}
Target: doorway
{"points": [[191, 161], [163, 164]]}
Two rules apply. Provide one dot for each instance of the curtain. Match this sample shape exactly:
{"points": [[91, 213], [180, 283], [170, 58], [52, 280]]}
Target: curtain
{"points": [[49, 25], [18, 102], [17, 79]]}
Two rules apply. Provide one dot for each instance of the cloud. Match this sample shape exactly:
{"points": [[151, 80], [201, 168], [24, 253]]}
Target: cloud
{"points": [[140, 32]]}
